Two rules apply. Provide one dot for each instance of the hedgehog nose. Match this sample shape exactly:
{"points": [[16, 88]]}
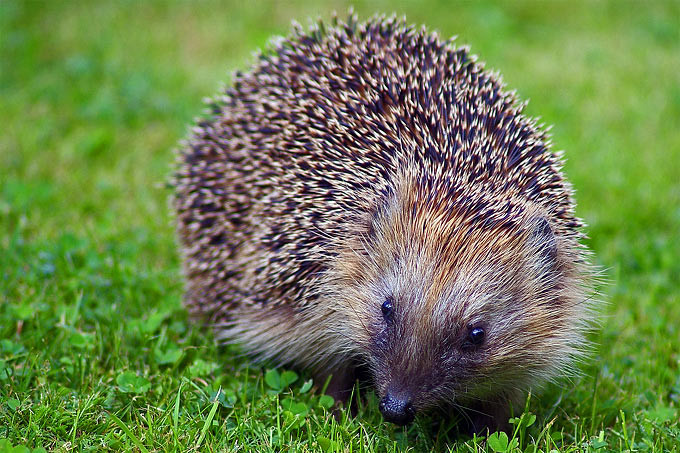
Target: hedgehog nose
{"points": [[397, 410]]}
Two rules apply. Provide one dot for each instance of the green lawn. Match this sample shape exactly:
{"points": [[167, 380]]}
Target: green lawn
{"points": [[96, 352]]}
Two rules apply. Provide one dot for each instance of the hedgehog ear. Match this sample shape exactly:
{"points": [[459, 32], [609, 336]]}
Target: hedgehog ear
{"points": [[542, 239]]}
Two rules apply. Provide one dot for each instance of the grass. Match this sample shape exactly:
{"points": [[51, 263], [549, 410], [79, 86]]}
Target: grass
{"points": [[96, 352]]}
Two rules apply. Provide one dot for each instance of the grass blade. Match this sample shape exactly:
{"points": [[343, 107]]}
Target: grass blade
{"points": [[128, 433], [176, 412], [208, 421]]}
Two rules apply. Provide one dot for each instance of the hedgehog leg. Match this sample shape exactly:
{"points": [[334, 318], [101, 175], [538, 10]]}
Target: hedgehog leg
{"points": [[341, 383], [488, 416]]}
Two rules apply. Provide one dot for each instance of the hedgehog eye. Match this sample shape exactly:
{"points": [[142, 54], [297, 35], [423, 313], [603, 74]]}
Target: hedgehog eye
{"points": [[476, 336], [387, 309]]}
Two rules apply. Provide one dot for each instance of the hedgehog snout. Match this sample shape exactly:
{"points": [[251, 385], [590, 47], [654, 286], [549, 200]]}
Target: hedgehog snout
{"points": [[397, 409]]}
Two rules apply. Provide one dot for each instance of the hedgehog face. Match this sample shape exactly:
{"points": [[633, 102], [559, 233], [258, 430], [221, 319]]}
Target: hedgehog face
{"points": [[459, 314]]}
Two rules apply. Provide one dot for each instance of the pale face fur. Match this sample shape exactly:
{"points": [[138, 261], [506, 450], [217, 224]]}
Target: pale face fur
{"points": [[446, 275]]}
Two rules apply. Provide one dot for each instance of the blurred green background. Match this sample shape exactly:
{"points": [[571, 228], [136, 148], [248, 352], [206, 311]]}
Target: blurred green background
{"points": [[94, 96]]}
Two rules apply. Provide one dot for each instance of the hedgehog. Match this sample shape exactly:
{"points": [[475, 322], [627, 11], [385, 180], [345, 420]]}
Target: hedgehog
{"points": [[369, 200]]}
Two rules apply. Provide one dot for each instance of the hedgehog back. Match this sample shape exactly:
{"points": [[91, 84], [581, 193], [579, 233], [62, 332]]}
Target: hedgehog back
{"points": [[299, 152]]}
